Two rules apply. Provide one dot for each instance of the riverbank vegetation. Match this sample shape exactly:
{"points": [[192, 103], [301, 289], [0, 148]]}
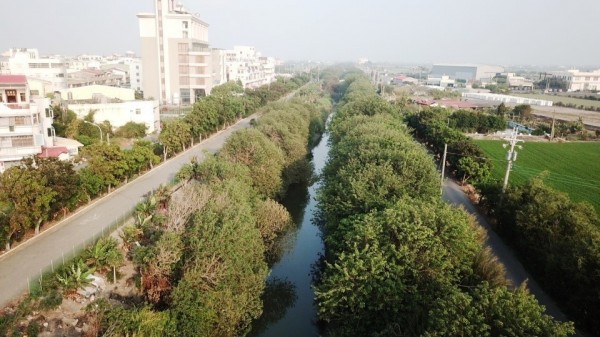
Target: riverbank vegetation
{"points": [[202, 250], [531, 212], [399, 261]]}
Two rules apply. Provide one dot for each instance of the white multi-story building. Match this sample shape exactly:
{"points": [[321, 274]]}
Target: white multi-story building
{"points": [[25, 123], [176, 58], [27, 61], [581, 80], [246, 65]]}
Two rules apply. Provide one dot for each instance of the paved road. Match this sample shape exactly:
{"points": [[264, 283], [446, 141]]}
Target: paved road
{"points": [[514, 269], [27, 260]]}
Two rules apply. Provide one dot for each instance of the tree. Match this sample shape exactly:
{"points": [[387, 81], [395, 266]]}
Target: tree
{"points": [[140, 157], [468, 169], [107, 162], [26, 199], [132, 130], [524, 111], [61, 178], [174, 136], [265, 161]]}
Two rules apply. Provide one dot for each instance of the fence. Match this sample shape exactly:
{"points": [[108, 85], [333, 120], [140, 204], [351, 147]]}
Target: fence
{"points": [[34, 284]]}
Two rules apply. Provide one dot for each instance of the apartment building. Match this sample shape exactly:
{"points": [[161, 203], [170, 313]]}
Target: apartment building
{"points": [[176, 58], [246, 65], [25, 123], [27, 61]]}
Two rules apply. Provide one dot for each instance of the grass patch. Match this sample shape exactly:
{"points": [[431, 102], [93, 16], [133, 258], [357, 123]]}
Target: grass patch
{"points": [[573, 168], [564, 99]]}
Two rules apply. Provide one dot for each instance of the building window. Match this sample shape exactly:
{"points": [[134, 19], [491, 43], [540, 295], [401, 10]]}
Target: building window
{"points": [[23, 97], [185, 24], [138, 111], [20, 121], [11, 128], [69, 95], [183, 80], [184, 34], [35, 92], [22, 141], [49, 130], [183, 58], [185, 96], [183, 47], [49, 113], [184, 69]]}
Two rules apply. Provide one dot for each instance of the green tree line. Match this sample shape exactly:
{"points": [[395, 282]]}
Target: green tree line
{"points": [[399, 261], [42, 190], [556, 238], [203, 250]]}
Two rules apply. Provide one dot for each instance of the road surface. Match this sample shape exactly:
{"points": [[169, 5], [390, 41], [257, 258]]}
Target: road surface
{"points": [[24, 263], [514, 269]]}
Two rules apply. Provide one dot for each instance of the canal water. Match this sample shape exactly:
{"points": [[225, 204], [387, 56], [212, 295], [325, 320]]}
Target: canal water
{"points": [[289, 308]]}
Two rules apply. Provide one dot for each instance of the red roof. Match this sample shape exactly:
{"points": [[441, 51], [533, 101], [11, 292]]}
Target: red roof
{"points": [[456, 104], [13, 79], [53, 152]]}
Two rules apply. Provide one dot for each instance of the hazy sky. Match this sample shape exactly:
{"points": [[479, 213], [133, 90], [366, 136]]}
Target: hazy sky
{"points": [[560, 32]]}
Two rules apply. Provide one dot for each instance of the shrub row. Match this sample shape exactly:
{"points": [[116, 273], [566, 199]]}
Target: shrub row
{"points": [[566, 264], [399, 262]]}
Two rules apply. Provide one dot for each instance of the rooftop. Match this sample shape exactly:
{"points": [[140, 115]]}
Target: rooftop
{"points": [[13, 79]]}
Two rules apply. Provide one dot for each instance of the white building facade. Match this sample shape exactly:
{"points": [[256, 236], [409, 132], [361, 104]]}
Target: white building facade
{"points": [[119, 114], [176, 58], [25, 123], [246, 65], [581, 80]]}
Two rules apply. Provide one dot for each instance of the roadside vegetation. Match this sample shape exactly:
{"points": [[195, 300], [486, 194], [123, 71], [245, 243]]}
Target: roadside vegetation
{"points": [[556, 238], [45, 190], [201, 249], [399, 261]]}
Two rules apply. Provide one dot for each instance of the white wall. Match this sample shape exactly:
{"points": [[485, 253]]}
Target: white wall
{"points": [[118, 114], [87, 92]]}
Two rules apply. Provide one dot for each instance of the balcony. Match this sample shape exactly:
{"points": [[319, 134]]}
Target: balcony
{"points": [[18, 153]]}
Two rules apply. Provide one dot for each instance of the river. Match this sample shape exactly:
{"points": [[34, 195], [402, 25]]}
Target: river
{"points": [[289, 308]]}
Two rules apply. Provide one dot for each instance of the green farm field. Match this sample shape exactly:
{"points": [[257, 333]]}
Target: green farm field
{"points": [[564, 99], [573, 168]]}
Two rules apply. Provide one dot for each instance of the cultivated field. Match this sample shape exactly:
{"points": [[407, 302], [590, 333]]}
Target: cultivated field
{"points": [[573, 168], [564, 99]]}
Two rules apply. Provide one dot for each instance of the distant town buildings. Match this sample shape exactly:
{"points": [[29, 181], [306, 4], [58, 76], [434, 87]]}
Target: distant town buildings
{"points": [[465, 72], [51, 71], [246, 65], [580, 80], [518, 83], [25, 122]]}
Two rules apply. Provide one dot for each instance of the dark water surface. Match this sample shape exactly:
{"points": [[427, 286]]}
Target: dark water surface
{"points": [[289, 308]]}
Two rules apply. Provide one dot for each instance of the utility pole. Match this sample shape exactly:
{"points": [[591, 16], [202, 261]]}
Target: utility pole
{"points": [[443, 169], [511, 156], [553, 120]]}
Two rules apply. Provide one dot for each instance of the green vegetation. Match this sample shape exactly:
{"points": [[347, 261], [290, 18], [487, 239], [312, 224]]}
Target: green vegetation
{"points": [[399, 261], [204, 250], [556, 237], [43, 191], [573, 168]]}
